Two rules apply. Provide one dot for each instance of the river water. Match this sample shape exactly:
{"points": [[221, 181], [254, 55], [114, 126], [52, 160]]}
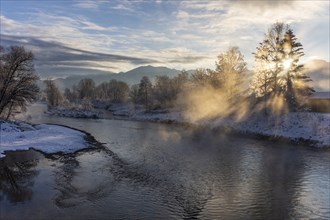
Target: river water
{"points": [[158, 171]]}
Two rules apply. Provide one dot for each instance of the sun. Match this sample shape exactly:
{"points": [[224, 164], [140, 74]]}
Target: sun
{"points": [[287, 63]]}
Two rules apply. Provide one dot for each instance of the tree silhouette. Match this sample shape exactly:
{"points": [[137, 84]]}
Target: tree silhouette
{"points": [[277, 68], [17, 80]]}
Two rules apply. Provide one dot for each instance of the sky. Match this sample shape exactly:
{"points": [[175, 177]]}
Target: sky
{"points": [[86, 37]]}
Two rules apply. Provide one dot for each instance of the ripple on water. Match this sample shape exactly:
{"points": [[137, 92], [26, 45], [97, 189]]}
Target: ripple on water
{"points": [[153, 171]]}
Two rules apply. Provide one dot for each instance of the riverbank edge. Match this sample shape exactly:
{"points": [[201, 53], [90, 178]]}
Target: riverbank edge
{"points": [[90, 141], [122, 112], [231, 131]]}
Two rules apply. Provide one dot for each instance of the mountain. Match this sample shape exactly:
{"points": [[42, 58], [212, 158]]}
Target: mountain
{"points": [[319, 72], [130, 77], [134, 76]]}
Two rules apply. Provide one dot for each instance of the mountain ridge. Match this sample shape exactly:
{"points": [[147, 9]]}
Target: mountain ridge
{"points": [[131, 77]]}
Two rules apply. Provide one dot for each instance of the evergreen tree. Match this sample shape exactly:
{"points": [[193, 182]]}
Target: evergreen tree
{"points": [[295, 87], [277, 71]]}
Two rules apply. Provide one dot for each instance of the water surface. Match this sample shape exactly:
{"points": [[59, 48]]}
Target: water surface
{"points": [[157, 171]]}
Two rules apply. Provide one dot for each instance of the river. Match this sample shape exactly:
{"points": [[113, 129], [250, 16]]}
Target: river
{"points": [[159, 171]]}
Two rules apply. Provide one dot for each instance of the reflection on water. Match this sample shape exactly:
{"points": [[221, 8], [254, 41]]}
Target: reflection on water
{"points": [[16, 177], [156, 171]]}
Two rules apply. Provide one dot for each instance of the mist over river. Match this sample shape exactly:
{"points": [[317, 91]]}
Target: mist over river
{"points": [[158, 171]]}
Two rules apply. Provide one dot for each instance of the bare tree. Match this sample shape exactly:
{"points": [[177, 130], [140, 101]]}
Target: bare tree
{"points": [[71, 95], [17, 80], [54, 96], [201, 77], [145, 92], [230, 71], [86, 88], [118, 91], [227, 78], [113, 91], [134, 93], [164, 91], [180, 81], [101, 92]]}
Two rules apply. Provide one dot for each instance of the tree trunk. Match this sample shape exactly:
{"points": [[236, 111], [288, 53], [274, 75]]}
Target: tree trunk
{"points": [[9, 110]]}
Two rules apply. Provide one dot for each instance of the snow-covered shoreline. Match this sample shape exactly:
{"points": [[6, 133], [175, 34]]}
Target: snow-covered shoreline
{"points": [[48, 139], [312, 129], [300, 127]]}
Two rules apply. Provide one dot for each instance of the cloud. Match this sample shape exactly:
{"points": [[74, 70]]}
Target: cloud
{"points": [[204, 5], [123, 7], [70, 31], [265, 4], [177, 34], [319, 72], [230, 16], [92, 26], [56, 55], [187, 59], [88, 4], [182, 15], [243, 23]]}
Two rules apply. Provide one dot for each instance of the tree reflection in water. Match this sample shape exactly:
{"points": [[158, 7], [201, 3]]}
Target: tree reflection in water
{"points": [[76, 184], [16, 176]]}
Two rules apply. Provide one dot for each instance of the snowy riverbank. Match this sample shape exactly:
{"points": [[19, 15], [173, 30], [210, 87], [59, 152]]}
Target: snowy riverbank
{"points": [[45, 138], [305, 127], [300, 127], [311, 128]]}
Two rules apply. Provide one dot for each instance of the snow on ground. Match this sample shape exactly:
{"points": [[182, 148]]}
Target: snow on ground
{"points": [[296, 126], [46, 138]]}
